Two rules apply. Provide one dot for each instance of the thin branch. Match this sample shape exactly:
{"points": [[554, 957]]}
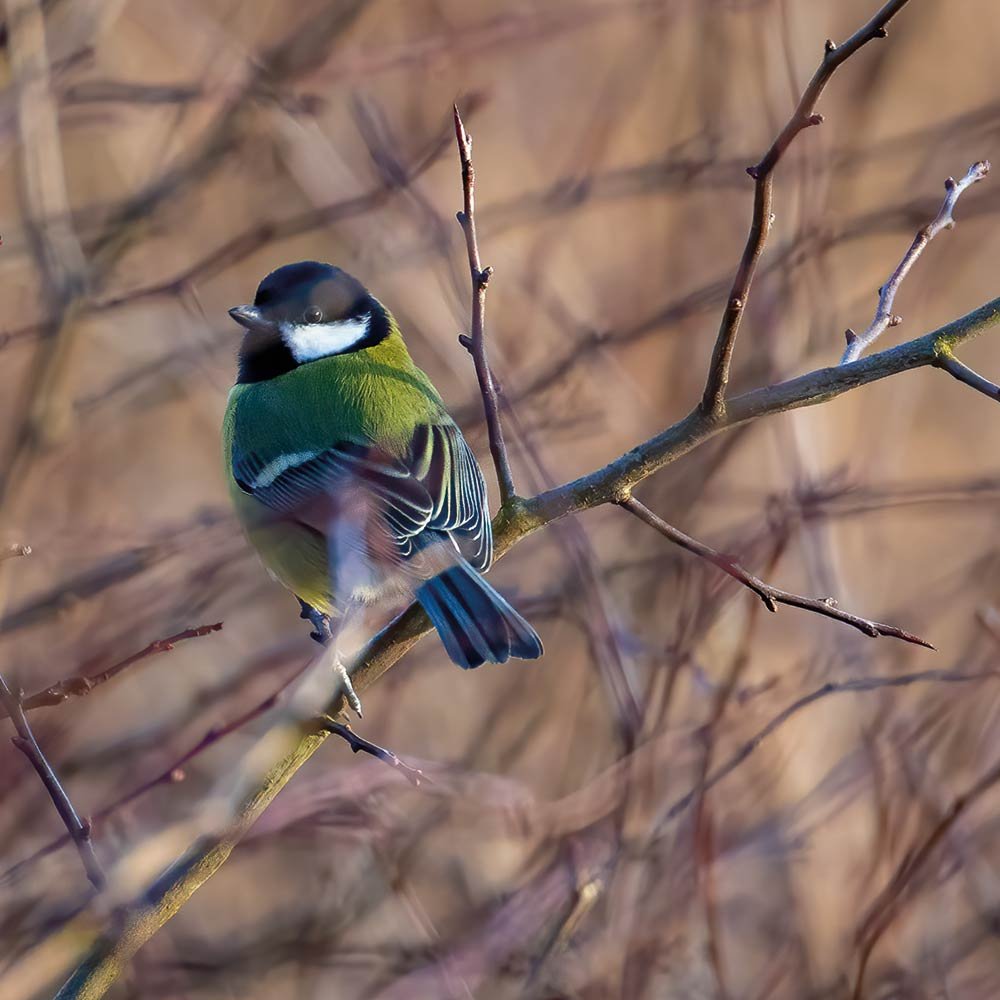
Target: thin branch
{"points": [[713, 400], [770, 596], [951, 364], [884, 316], [25, 741], [82, 684], [360, 745], [476, 343], [173, 773]]}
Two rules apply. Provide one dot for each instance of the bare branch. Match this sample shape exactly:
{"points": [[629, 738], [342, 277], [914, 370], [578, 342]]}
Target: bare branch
{"points": [[713, 400], [82, 684], [951, 364], [360, 745], [25, 741], [770, 596], [477, 341], [884, 316]]}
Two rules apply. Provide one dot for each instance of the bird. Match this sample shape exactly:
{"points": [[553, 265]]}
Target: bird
{"points": [[348, 474]]}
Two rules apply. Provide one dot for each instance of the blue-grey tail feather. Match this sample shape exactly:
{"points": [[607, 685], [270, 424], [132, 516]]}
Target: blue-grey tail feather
{"points": [[476, 624]]}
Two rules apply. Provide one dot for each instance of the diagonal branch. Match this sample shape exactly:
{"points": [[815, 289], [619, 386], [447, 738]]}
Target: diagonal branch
{"points": [[884, 317], [771, 596], [713, 400], [476, 343], [82, 684], [25, 741], [359, 744]]}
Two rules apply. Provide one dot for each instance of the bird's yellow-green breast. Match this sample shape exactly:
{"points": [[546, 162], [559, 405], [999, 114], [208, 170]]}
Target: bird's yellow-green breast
{"points": [[376, 396]]}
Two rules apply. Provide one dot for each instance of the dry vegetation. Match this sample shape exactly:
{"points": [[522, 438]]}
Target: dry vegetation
{"points": [[688, 796]]}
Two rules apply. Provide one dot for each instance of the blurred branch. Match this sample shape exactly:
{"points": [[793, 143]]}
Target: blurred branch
{"points": [[884, 909], [82, 684], [884, 317], [14, 550], [803, 116], [856, 685], [476, 343], [770, 596], [25, 741]]}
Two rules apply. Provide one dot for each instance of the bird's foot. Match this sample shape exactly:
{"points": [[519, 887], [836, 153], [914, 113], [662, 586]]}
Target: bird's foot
{"points": [[323, 634]]}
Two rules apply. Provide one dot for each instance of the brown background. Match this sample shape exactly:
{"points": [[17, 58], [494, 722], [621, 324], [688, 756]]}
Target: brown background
{"points": [[197, 145]]}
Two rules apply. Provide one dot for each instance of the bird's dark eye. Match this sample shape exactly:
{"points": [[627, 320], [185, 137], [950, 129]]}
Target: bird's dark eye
{"points": [[313, 315]]}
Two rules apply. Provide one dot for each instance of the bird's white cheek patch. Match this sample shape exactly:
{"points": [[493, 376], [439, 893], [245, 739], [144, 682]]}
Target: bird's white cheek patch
{"points": [[309, 341]]}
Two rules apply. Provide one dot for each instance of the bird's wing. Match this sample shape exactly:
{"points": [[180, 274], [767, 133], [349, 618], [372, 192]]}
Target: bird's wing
{"points": [[436, 486], [442, 460]]}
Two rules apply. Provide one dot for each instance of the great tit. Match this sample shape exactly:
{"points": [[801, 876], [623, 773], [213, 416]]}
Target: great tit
{"points": [[348, 474]]}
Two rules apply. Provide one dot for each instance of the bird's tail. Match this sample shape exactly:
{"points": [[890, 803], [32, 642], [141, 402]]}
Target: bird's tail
{"points": [[476, 623]]}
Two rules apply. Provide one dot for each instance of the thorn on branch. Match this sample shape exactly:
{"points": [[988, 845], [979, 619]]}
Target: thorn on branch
{"points": [[829, 45], [815, 119], [850, 336]]}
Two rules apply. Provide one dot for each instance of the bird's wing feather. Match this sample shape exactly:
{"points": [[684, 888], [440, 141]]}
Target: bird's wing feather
{"points": [[437, 486]]}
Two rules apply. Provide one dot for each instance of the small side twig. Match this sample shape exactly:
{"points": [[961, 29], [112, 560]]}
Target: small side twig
{"points": [[770, 596], [13, 551], [360, 745], [884, 316], [476, 343], [79, 830], [82, 684], [949, 363]]}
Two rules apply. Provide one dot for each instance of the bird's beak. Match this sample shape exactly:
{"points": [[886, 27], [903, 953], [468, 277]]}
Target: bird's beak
{"points": [[251, 318]]}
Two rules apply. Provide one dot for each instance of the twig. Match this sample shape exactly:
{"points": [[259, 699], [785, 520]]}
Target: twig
{"points": [[82, 684], [13, 551], [884, 316], [770, 596], [883, 910], [173, 773], [360, 745], [947, 361], [713, 400], [25, 741], [476, 343]]}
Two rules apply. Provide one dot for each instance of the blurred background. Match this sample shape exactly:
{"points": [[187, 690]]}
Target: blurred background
{"points": [[159, 159]]}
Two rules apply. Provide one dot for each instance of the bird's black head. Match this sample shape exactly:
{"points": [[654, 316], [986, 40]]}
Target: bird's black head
{"points": [[303, 312]]}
